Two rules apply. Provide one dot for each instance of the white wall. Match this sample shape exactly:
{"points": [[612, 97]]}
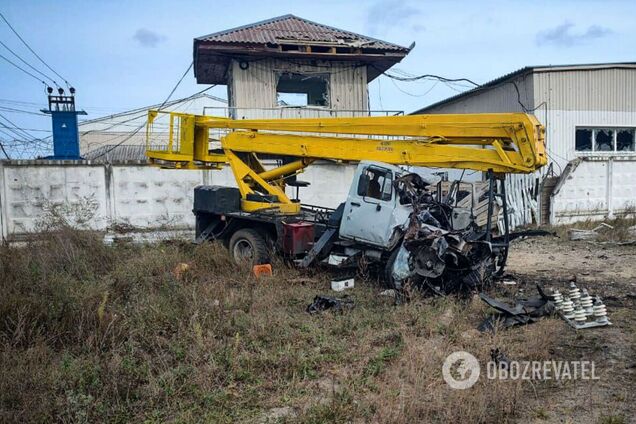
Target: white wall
{"points": [[594, 189], [137, 195]]}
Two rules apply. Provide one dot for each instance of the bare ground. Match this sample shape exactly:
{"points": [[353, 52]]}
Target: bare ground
{"points": [[606, 270]]}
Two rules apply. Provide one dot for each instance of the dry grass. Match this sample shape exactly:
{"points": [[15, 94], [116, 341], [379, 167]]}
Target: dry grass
{"points": [[618, 233], [96, 333]]}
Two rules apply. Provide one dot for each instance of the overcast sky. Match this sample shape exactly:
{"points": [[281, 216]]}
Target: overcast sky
{"points": [[124, 54]]}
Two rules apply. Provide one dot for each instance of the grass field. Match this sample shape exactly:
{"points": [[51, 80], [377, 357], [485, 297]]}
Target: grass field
{"points": [[124, 333]]}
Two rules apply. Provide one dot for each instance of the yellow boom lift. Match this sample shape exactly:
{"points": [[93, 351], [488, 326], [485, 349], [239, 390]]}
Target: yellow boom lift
{"points": [[257, 208]]}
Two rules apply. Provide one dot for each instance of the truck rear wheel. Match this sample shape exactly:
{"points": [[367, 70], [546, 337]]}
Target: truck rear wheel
{"points": [[248, 246]]}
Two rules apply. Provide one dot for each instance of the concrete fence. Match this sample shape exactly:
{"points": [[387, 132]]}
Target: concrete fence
{"points": [[98, 196], [594, 188]]}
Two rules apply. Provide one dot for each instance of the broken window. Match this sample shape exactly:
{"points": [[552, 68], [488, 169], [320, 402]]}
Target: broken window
{"points": [[583, 140], [375, 183], [302, 90], [625, 140], [605, 140]]}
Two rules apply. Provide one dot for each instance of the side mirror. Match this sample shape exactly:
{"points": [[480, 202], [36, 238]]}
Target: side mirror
{"points": [[363, 185]]}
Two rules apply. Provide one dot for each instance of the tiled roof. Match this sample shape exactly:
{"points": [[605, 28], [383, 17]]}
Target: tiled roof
{"points": [[290, 28]]}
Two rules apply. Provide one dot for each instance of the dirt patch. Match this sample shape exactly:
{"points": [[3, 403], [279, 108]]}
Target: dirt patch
{"points": [[606, 270]]}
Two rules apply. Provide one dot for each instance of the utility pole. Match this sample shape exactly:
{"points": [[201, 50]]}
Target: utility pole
{"points": [[65, 130]]}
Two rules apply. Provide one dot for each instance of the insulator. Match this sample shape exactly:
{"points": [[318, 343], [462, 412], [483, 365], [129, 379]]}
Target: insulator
{"points": [[579, 316], [574, 292], [587, 302], [600, 312], [557, 299], [568, 308]]}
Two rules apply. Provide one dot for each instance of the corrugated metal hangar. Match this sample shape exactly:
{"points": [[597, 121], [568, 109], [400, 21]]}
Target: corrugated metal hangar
{"points": [[590, 116]]}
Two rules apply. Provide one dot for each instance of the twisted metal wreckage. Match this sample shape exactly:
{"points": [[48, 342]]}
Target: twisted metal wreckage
{"points": [[443, 250]]}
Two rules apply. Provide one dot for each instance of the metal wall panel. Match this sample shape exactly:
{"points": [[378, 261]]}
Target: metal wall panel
{"points": [[255, 87], [610, 90], [502, 98]]}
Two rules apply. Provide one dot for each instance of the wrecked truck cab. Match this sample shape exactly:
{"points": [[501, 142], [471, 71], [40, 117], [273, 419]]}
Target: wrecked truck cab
{"points": [[373, 214]]}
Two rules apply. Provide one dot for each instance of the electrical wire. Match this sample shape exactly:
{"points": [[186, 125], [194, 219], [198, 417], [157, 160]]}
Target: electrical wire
{"points": [[160, 107], [29, 65], [4, 151], [23, 70], [13, 110], [425, 76], [31, 50], [411, 94], [15, 129], [144, 111], [448, 81]]}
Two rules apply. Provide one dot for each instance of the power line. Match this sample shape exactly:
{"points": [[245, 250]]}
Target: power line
{"points": [[411, 94], [23, 70], [14, 126], [425, 76], [4, 151], [14, 110], [31, 50], [29, 65], [160, 107]]}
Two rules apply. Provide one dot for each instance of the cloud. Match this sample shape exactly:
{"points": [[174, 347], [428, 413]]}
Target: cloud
{"points": [[562, 35], [148, 38], [390, 14]]}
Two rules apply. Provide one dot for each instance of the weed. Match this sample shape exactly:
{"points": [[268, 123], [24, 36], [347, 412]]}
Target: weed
{"points": [[90, 332]]}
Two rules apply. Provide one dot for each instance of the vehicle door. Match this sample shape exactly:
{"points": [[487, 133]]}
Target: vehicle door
{"points": [[368, 214]]}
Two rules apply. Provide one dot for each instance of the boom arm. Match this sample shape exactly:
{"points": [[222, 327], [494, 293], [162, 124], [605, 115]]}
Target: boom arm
{"points": [[502, 142]]}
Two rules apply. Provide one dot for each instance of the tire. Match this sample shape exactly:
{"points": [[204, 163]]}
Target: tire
{"points": [[389, 281], [248, 247]]}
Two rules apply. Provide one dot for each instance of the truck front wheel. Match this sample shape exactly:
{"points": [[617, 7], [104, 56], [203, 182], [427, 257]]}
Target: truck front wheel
{"points": [[248, 246]]}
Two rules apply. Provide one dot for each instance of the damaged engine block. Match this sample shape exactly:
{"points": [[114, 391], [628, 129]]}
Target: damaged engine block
{"points": [[437, 254]]}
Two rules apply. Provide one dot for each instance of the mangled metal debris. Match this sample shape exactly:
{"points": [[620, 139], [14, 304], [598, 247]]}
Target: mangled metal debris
{"points": [[577, 307], [576, 234], [443, 250], [322, 303], [525, 311]]}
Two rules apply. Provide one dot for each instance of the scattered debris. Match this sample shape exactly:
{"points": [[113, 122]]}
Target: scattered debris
{"points": [[180, 270], [389, 293], [262, 270], [340, 285], [322, 303], [525, 311], [576, 234], [499, 358]]}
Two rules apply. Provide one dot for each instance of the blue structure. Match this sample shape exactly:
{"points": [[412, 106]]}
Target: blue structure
{"points": [[65, 131]]}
